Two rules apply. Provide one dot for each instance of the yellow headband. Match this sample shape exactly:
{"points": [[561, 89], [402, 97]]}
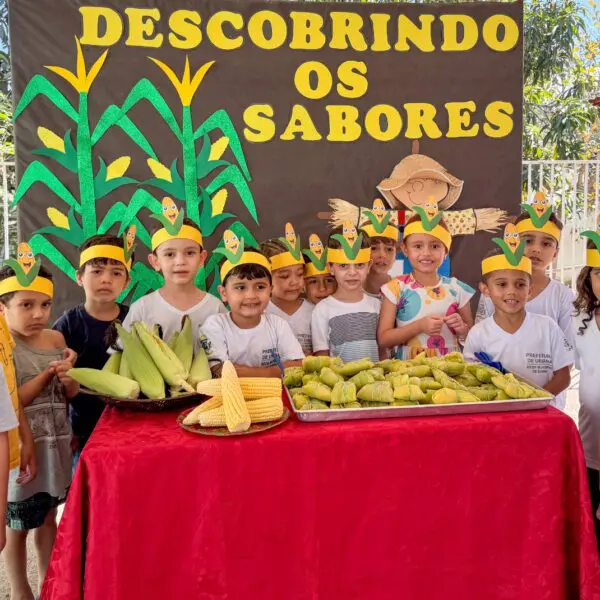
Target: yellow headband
{"points": [[103, 251], [285, 259], [39, 284], [500, 263], [247, 258], [311, 271], [185, 233], [390, 232], [339, 257], [437, 232], [550, 228], [592, 258]]}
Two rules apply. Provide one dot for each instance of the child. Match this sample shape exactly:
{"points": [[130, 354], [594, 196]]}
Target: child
{"points": [[42, 362], [103, 273], [527, 344], [345, 323], [319, 283], [383, 234], [178, 254], [423, 311], [258, 344], [587, 349], [541, 230], [287, 270]]}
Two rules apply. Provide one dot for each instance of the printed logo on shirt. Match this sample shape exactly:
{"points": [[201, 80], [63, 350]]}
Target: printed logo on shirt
{"points": [[568, 346], [539, 363], [205, 343], [269, 357]]}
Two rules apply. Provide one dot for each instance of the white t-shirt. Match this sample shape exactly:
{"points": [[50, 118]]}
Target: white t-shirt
{"points": [[259, 346], [555, 301], [299, 322], [153, 308], [534, 352], [587, 353], [8, 419], [346, 329]]}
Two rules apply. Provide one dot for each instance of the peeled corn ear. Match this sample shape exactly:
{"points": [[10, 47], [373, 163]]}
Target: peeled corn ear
{"points": [[260, 411], [253, 388], [194, 417], [237, 417], [105, 382]]}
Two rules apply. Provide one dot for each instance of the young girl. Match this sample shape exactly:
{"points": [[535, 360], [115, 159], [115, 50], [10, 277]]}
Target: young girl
{"points": [[423, 311], [587, 348], [41, 362], [319, 283], [287, 270]]}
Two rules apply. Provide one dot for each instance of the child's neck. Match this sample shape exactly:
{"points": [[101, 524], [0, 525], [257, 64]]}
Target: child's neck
{"points": [[374, 282], [37, 340], [245, 322], [349, 295], [539, 281], [289, 307], [510, 323], [103, 311], [426, 279], [182, 296]]}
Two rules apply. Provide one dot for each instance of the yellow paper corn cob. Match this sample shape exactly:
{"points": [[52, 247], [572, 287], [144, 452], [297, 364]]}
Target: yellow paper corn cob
{"points": [[105, 382], [253, 388], [237, 417], [259, 411]]}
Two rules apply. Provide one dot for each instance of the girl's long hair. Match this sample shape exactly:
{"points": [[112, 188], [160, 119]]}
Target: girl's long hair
{"points": [[586, 302]]}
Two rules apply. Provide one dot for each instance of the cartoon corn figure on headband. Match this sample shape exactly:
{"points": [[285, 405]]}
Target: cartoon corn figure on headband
{"points": [[316, 253], [593, 254], [379, 222], [293, 256], [350, 251], [539, 212], [122, 255], [173, 227], [513, 254], [236, 254], [26, 277], [429, 223]]}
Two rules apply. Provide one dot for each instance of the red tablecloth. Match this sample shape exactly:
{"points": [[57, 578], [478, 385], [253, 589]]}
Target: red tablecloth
{"points": [[467, 507]]}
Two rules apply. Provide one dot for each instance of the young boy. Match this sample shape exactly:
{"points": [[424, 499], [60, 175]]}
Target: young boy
{"points": [[383, 234], [345, 324], [541, 229], [258, 344], [178, 254], [103, 274], [287, 271], [524, 343], [319, 283]]}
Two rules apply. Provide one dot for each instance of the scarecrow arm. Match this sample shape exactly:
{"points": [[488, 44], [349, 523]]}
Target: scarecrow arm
{"points": [[468, 221]]}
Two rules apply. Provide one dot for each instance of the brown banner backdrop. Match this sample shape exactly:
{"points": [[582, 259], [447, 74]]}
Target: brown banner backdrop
{"points": [[286, 180]]}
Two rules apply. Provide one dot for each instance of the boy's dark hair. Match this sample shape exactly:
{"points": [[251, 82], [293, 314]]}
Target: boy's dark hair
{"points": [[272, 247], [334, 244], [553, 219], [105, 239], [586, 300], [186, 221], [494, 252], [248, 272], [384, 240], [6, 272]]}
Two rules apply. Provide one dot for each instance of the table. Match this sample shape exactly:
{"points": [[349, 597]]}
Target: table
{"points": [[484, 507]]}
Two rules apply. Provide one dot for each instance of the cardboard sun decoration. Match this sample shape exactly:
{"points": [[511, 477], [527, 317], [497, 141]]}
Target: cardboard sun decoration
{"points": [[539, 211], [593, 254], [26, 277], [119, 105], [513, 254]]}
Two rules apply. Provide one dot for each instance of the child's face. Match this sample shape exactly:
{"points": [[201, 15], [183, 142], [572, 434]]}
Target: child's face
{"points": [[288, 283], [424, 252], [27, 313], [319, 287], [103, 282], [247, 298], [178, 260], [541, 248], [595, 280], [350, 277], [508, 290], [383, 255]]}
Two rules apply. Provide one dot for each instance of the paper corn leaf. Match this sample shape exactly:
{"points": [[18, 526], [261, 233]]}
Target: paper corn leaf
{"points": [[538, 220], [37, 172], [174, 188], [23, 278], [205, 166], [141, 199], [511, 256], [102, 187], [318, 262], [172, 228], [119, 213], [594, 236], [230, 256], [428, 224], [234, 176], [68, 158], [350, 251], [295, 250], [40, 245], [378, 226], [143, 280], [73, 234], [39, 85], [208, 221]]}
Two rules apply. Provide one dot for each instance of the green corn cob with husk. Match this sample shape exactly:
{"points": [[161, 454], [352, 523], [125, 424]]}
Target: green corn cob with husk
{"points": [[409, 393], [113, 364], [292, 377], [380, 391], [343, 392], [173, 340], [377, 373], [386, 365], [468, 379], [420, 371], [106, 382], [329, 378], [313, 364], [184, 344], [352, 368], [361, 379], [308, 377], [200, 369], [315, 405], [465, 396], [447, 381], [124, 370], [300, 401], [484, 395], [317, 391]]}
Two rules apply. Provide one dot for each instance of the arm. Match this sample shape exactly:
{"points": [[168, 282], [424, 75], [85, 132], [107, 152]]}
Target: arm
{"points": [[560, 381], [388, 335], [245, 371], [28, 466], [31, 389], [321, 353], [319, 327]]}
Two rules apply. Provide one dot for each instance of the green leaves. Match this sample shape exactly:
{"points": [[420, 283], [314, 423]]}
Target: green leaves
{"points": [[594, 236], [68, 158], [174, 188], [315, 260], [37, 172], [39, 85], [102, 187]]}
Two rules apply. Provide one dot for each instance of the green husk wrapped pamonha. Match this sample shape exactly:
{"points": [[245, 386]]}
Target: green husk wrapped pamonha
{"points": [[484, 395], [313, 364], [352, 368], [293, 377], [408, 393], [300, 400], [380, 391], [377, 373], [429, 383], [361, 379], [328, 377], [420, 371], [310, 377], [317, 391], [315, 405], [344, 392]]}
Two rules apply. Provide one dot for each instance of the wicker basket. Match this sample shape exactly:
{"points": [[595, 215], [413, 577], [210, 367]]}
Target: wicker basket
{"points": [[147, 405]]}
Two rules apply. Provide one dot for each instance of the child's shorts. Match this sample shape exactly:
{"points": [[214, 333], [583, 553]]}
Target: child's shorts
{"points": [[31, 513]]}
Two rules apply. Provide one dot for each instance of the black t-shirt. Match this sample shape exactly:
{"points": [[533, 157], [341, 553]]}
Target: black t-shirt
{"points": [[86, 335]]}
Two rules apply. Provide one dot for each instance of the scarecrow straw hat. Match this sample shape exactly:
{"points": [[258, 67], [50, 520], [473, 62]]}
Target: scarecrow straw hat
{"points": [[419, 166]]}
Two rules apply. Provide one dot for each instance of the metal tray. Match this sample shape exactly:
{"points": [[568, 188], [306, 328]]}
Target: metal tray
{"points": [[422, 410]]}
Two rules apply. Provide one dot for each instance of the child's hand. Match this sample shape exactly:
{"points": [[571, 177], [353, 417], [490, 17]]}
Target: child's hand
{"points": [[70, 356], [61, 368], [457, 325], [432, 325], [28, 466]]}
